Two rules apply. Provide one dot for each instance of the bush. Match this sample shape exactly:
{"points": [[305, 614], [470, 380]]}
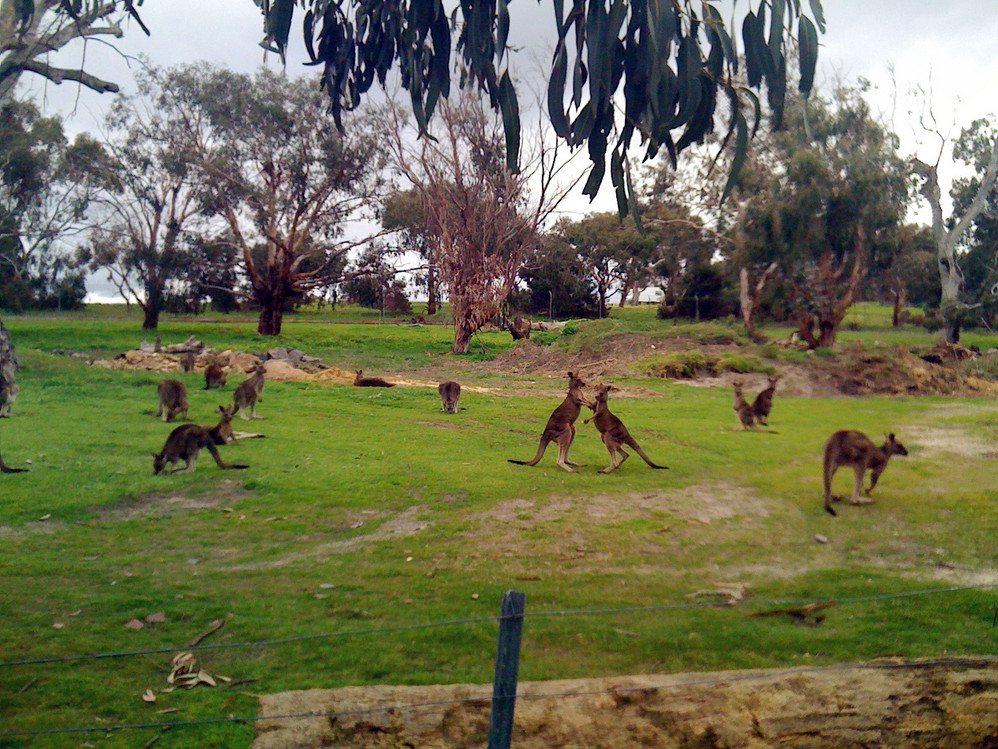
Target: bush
{"points": [[740, 363], [677, 364]]}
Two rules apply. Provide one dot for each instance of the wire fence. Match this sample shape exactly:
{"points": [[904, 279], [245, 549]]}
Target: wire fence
{"points": [[563, 613]]}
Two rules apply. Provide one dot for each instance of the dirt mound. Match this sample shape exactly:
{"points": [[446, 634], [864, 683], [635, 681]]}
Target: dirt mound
{"points": [[951, 704], [897, 371]]}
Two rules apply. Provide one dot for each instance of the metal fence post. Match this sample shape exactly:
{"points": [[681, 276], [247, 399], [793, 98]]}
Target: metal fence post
{"points": [[507, 666]]}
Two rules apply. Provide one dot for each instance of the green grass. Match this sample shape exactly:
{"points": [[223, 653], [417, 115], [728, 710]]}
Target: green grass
{"points": [[366, 510]]}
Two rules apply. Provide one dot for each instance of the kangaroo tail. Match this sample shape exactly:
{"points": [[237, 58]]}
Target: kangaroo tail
{"points": [[536, 459], [827, 476], [644, 457]]}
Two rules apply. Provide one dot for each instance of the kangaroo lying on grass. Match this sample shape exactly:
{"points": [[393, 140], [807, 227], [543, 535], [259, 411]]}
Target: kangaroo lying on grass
{"points": [[172, 399], [613, 432], [450, 393], [561, 426], [852, 448], [214, 377], [247, 392], [186, 441], [4, 468], [763, 402], [370, 382]]}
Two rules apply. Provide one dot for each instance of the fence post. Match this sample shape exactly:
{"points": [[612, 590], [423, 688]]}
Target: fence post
{"points": [[507, 666]]}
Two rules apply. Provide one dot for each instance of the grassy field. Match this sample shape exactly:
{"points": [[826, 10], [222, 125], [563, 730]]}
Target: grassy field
{"points": [[366, 515]]}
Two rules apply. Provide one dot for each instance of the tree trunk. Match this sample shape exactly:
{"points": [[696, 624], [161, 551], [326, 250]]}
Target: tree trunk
{"points": [[431, 292], [271, 316], [150, 320], [8, 365], [748, 297]]}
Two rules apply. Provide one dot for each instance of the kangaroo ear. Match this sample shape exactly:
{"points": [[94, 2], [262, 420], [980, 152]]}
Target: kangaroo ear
{"points": [[891, 436], [571, 376]]}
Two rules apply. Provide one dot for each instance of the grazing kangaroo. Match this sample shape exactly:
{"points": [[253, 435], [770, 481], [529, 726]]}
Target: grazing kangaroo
{"points": [[742, 408], [187, 361], [851, 448], [187, 440], [450, 393], [4, 468], [561, 426], [763, 402], [613, 432], [172, 399], [370, 382], [214, 376], [247, 392]]}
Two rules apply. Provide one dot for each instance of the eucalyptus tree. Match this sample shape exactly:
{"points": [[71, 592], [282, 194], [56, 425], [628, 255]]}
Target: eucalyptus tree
{"points": [[45, 191], [482, 215], [279, 176], [651, 71], [31, 30], [974, 198], [405, 214], [152, 194]]}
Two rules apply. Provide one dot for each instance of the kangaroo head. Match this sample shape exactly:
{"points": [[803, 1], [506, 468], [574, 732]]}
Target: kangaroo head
{"points": [[773, 379], [737, 385], [893, 447], [158, 463], [574, 381], [227, 412]]}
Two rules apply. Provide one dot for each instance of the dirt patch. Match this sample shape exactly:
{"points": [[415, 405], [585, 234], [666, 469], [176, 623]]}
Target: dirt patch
{"points": [[162, 504], [951, 704], [703, 503], [406, 523], [951, 440]]}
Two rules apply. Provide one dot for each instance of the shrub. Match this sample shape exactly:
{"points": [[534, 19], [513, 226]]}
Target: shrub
{"points": [[740, 363], [677, 364]]}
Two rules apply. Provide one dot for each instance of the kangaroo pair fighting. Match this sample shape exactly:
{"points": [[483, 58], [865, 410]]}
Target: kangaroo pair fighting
{"points": [[187, 440], [560, 428], [848, 447], [761, 406]]}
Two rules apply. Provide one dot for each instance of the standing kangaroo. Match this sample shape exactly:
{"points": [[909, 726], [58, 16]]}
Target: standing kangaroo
{"points": [[370, 382], [247, 392], [742, 408], [763, 402], [450, 393], [214, 376], [172, 399], [852, 448], [561, 426], [4, 468], [187, 361], [613, 432], [187, 440]]}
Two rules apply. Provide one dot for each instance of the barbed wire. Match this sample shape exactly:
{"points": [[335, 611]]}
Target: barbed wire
{"points": [[490, 619], [710, 680]]}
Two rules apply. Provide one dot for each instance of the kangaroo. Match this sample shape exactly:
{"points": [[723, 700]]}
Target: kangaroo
{"points": [[852, 448], [763, 402], [613, 432], [187, 361], [172, 399], [221, 433], [247, 393], [370, 382], [561, 426], [743, 409], [450, 393], [186, 441], [4, 468], [214, 376]]}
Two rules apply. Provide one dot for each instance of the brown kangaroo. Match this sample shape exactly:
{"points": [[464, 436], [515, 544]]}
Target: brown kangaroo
{"points": [[247, 392], [561, 426], [221, 433], [172, 399], [4, 468], [214, 376], [186, 441], [851, 448], [187, 361], [763, 402], [450, 393], [742, 408], [613, 432], [370, 382]]}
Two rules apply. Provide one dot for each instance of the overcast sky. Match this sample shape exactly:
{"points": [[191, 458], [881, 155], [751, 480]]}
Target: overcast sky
{"points": [[951, 45]]}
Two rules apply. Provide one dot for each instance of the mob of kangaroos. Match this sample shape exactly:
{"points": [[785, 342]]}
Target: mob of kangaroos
{"points": [[187, 440], [560, 428], [613, 432], [247, 392], [851, 448]]}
